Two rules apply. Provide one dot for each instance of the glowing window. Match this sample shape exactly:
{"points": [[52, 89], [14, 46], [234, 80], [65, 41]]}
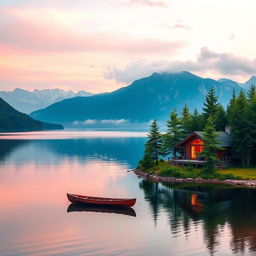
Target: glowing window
{"points": [[197, 142], [195, 150]]}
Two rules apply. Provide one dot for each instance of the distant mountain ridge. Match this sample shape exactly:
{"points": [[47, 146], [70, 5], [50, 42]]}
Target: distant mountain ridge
{"points": [[12, 120], [145, 99], [246, 85], [251, 81], [27, 101]]}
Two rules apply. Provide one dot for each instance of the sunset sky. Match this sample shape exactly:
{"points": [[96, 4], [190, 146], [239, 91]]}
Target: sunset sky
{"points": [[101, 45]]}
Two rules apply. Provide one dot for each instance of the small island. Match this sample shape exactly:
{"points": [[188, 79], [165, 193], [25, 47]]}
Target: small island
{"points": [[216, 146]]}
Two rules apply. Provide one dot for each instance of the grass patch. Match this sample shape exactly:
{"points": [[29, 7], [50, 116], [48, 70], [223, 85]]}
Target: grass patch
{"points": [[178, 171], [171, 171], [234, 173], [239, 172]]}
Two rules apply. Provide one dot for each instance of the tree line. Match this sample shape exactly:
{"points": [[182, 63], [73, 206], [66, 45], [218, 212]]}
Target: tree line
{"points": [[239, 115]]}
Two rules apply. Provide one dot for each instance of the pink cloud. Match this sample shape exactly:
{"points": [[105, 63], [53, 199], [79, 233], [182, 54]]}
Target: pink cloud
{"points": [[38, 53], [146, 2], [180, 26], [32, 37], [19, 30]]}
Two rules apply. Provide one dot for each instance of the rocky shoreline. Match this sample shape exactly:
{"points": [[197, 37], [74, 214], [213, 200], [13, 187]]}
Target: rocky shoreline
{"points": [[156, 178]]}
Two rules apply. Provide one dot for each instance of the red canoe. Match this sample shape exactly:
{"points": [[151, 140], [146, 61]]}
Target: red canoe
{"points": [[128, 202]]}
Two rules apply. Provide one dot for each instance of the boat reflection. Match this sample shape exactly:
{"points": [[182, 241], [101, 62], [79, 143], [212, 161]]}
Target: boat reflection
{"points": [[102, 209]]}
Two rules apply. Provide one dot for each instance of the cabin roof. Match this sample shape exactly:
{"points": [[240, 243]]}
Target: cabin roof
{"points": [[223, 138]]}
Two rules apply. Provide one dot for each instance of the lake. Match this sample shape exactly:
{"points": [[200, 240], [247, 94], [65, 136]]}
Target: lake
{"points": [[37, 169]]}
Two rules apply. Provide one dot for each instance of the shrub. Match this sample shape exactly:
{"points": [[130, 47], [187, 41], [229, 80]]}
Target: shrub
{"points": [[190, 168], [147, 162], [227, 177], [207, 176], [171, 171]]}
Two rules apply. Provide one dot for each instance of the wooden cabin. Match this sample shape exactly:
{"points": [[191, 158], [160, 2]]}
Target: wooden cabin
{"points": [[193, 145]]}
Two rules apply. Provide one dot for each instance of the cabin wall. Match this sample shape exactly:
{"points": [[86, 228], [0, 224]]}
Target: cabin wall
{"points": [[187, 147], [187, 151], [222, 155]]}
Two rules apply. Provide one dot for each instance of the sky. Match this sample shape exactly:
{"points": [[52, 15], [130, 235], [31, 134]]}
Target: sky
{"points": [[102, 45]]}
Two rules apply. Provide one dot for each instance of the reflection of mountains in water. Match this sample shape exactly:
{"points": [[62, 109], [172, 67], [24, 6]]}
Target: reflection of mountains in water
{"points": [[211, 206], [120, 149], [8, 146], [101, 209], [127, 150]]}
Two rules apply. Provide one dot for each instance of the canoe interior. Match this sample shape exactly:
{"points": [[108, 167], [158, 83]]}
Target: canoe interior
{"points": [[99, 198]]}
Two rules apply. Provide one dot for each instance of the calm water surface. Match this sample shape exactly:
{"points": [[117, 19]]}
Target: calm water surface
{"points": [[37, 169]]}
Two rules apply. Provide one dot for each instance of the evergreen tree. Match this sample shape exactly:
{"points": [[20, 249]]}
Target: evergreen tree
{"points": [[221, 119], [231, 109], [173, 135], [240, 130], [210, 146], [186, 121], [251, 122], [210, 106], [196, 121], [251, 95], [147, 161], [154, 144], [252, 129]]}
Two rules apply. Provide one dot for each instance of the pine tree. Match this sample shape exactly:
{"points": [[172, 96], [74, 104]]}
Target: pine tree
{"points": [[147, 161], [196, 121], [210, 106], [252, 129], [173, 135], [251, 122], [154, 144], [251, 95], [210, 146], [231, 108], [240, 130], [186, 121], [221, 119]]}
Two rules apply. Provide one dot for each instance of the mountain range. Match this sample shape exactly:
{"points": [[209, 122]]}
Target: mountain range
{"points": [[145, 99], [251, 81], [12, 120], [27, 101]]}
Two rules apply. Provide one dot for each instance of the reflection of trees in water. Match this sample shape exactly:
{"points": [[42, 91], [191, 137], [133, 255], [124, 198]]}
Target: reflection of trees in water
{"points": [[243, 222], [208, 206], [158, 197], [7, 146]]}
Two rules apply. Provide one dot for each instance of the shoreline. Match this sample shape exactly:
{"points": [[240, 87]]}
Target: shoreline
{"points": [[156, 178]]}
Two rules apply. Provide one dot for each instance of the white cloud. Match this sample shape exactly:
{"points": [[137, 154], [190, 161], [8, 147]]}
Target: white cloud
{"points": [[104, 121], [114, 121], [89, 121], [223, 64]]}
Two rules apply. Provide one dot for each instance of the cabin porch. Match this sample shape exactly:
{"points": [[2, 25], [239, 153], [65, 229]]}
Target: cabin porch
{"points": [[225, 162], [184, 162]]}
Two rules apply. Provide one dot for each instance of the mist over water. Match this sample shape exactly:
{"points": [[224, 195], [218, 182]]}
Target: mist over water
{"points": [[38, 169]]}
